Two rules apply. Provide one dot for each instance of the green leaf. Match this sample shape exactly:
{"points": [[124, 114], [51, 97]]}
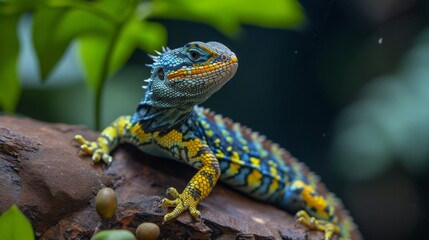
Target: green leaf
{"points": [[57, 25], [49, 49], [114, 235], [119, 9], [12, 7], [103, 55], [10, 87], [15, 226], [149, 36], [95, 49], [227, 15], [137, 34], [55, 28]]}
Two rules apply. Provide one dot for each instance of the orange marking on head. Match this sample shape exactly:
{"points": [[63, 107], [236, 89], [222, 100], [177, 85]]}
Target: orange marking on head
{"points": [[199, 69], [177, 74]]}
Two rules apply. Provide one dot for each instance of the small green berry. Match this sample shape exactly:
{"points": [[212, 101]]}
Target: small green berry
{"points": [[147, 231], [105, 203], [114, 235]]}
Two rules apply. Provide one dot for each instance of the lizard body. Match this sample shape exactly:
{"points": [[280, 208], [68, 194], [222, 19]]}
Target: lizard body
{"points": [[168, 123]]}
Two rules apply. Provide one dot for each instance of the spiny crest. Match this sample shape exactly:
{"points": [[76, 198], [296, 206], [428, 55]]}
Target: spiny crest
{"points": [[267, 144], [314, 179], [148, 82], [155, 59], [251, 135]]}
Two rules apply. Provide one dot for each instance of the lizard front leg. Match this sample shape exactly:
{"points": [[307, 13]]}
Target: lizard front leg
{"points": [[107, 141], [198, 188]]}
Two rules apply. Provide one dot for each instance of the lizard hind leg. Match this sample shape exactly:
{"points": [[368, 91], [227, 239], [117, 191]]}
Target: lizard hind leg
{"points": [[313, 210], [329, 228]]}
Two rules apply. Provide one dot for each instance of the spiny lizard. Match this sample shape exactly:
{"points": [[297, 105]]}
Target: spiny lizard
{"points": [[168, 123]]}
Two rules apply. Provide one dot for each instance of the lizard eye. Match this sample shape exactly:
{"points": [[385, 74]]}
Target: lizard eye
{"points": [[160, 73], [194, 54]]}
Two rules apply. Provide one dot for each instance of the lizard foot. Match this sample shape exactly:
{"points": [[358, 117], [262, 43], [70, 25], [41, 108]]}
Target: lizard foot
{"points": [[93, 148], [181, 202], [327, 227]]}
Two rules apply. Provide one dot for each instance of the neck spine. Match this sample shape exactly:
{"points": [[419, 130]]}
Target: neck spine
{"points": [[156, 117]]}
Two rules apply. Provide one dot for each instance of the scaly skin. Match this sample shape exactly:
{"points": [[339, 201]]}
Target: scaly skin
{"points": [[168, 123]]}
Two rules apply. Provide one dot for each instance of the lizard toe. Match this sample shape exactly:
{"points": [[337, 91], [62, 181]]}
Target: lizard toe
{"points": [[168, 203], [85, 149], [327, 227], [173, 192], [81, 140], [195, 213], [178, 209], [181, 203], [107, 159]]}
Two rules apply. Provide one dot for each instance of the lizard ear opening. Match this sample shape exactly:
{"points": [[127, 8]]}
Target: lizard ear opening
{"points": [[160, 73]]}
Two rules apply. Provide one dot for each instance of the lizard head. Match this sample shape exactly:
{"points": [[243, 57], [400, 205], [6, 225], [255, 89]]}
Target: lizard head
{"points": [[186, 76]]}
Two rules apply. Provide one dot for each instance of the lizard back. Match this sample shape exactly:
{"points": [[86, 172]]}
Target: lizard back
{"points": [[248, 161]]}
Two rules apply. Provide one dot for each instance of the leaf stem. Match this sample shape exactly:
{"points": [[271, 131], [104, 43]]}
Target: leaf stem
{"points": [[104, 73], [106, 64]]}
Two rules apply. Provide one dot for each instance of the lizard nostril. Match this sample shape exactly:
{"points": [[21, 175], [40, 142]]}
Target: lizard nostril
{"points": [[223, 57], [160, 74]]}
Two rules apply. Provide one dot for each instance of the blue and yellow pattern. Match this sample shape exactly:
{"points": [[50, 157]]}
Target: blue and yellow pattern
{"points": [[169, 123]]}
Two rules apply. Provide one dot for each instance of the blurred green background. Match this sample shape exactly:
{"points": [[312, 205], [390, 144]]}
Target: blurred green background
{"points": [[342, 85]]}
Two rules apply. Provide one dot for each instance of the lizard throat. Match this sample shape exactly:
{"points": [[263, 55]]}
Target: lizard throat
{"points": [[154, 118]]}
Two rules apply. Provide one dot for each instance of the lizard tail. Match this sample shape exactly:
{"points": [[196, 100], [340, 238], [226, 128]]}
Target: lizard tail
{"points": [[348, 229]]}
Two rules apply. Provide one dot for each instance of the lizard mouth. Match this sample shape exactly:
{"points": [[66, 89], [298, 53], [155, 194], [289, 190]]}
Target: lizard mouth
{"points": [[218, 70]]}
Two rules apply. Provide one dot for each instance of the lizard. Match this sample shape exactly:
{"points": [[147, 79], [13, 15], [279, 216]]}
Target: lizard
{"points": [[169, 123]]}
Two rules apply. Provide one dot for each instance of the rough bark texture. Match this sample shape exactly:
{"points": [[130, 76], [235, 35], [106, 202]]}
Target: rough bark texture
{"points": [[42, 171]]}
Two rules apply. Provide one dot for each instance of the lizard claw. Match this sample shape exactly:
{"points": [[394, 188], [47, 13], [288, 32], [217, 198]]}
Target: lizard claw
{"points": [[327, 227], [195, 213], [81, 140], [172, 192], [168, 203], [181, 202], [93, 148]]}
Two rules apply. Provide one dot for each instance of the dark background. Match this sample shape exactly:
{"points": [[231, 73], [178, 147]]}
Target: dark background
{"points": [[301, 89]]}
